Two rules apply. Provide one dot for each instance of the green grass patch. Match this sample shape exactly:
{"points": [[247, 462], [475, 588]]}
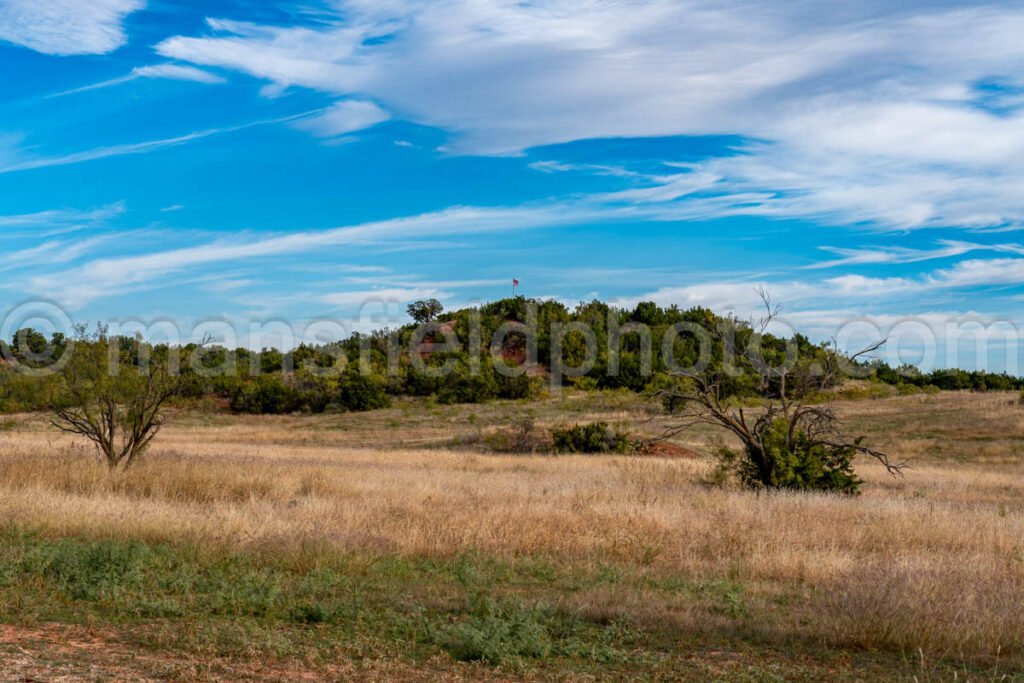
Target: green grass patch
{"points": [[195, 601], [517, 615]]}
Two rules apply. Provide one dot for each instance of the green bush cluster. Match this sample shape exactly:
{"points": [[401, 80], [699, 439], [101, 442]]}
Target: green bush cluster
{"points": [[595, 437], [946, 379], [277, 394], [20, 393], [625, 357]]}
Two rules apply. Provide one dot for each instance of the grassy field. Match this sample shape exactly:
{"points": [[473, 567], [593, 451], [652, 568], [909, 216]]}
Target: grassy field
{"points": [[393, 545]]}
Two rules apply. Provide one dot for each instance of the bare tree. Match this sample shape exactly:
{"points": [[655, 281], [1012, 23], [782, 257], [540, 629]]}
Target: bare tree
{"points": [[113, 401], [791, 442]]}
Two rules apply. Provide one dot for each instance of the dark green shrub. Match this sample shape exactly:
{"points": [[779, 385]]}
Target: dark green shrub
{"points": [[464, 385], [359, 392], [518, 387], [416, 382], [266, 395], [316, 390], [596, 437], [795, 463], [24, 393]]}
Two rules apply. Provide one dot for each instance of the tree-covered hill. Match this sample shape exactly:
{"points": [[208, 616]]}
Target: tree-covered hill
{"points": [[513, 348]]}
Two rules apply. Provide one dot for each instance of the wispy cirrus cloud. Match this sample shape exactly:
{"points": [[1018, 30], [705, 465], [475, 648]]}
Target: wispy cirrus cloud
{"points": [[117, 275], [347, 116], [128, 149], [174, 72], [53, 252], [109, 151], [901, 255], [868, 115], [856, 291], [66, 27], [53, 221]]}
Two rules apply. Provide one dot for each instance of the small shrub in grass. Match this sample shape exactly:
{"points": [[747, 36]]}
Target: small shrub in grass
{"points": [[311, 613], [499, 633], [595, 437], [91, 571], [522, 436], [791, 460], [242, 591], [507, 633]]}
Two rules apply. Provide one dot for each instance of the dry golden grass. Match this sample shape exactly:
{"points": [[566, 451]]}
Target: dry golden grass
{"points": [[933, 562]]}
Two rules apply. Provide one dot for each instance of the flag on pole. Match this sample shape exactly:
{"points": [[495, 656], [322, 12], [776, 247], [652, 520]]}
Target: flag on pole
{"points": [[515, 282]]}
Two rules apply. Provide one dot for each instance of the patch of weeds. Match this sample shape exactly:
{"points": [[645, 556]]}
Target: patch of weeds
{"points": [[520, 437], [498, 633], [312, 613], [758, 674], [538, 570], [726, 596], [248, 593], [475, 569], [506, 632], [226, 638], [159, 609], [608, 574], [91, 571]]}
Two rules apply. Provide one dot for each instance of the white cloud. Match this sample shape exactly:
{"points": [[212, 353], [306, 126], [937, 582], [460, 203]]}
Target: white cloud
{"points": [[49, 253], [896, 255], [344, 117], [222, 285], [114, 276], [17, 164], [286, 57], [66, 27], [866, 113], [176, 72], [63, 220], [105, 152], [392, 295]]}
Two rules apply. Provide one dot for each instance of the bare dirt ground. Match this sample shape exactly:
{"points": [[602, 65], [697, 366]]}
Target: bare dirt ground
{"points": [[63, 653]]}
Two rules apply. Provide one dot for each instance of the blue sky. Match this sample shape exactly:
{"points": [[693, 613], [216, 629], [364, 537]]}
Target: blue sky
{"points": [[288, 161]]}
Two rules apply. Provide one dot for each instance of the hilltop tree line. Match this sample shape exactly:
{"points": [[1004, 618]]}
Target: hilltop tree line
{"points": [[365, 371]]}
